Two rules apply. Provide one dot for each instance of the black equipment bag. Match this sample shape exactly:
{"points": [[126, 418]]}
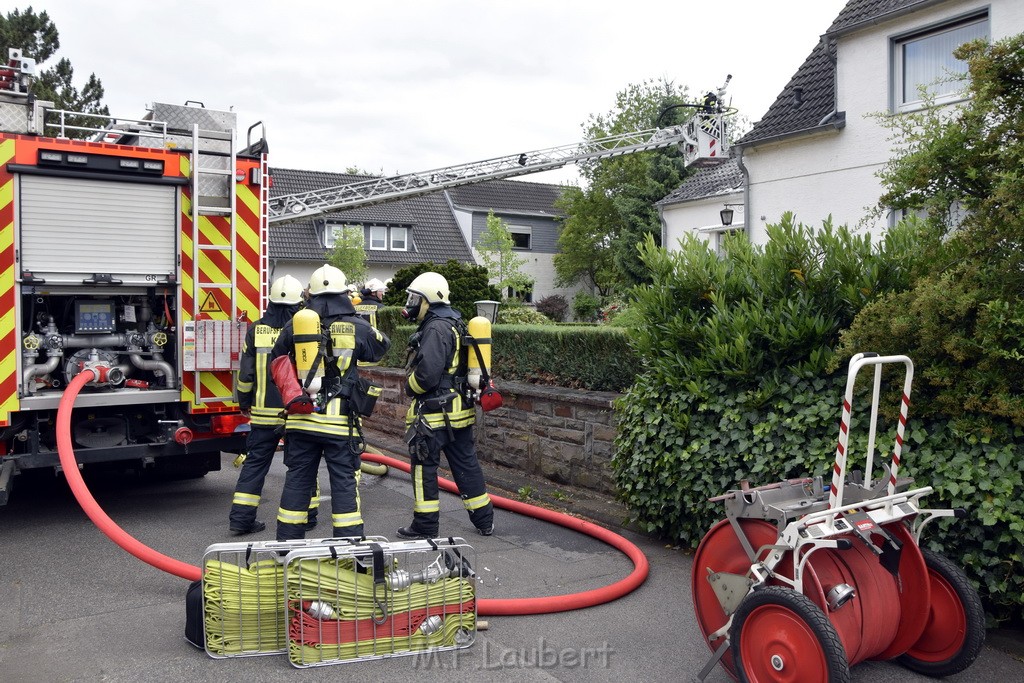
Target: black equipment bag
{"points": [[194, 615]]}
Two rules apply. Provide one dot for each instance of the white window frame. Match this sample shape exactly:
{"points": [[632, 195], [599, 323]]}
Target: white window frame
{"points": [[395, 232], [331, 231], [911, 101], [521, 230], [378, 233]]}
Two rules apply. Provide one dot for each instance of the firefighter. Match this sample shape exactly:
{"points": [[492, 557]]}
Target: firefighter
{"points": [[259, 398], [324, 423], [373, 293], [441, 416]]}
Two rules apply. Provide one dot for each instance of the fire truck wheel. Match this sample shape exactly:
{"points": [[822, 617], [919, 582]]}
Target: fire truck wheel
{"points": [[780, 635], [955, 633]]}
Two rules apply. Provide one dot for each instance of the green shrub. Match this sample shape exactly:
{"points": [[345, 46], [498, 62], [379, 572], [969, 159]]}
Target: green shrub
{"points": [[741, 381], [555, 307], [522, 315], [585, 307]]}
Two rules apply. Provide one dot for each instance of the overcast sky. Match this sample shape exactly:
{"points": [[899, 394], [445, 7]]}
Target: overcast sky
{"points": [[398, 87]]}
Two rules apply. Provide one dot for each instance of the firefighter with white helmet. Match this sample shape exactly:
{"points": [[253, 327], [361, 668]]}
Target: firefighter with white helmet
{"points": [[313, 364], [373, 292], [259, 398], [441, 416]]}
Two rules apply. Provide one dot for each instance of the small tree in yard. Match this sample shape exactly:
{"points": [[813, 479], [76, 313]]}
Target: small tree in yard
{"points": [[497, 251], [349, 252]]}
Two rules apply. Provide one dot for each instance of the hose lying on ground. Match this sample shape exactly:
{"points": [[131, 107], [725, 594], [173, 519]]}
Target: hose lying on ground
{"points": [[507, 606]]}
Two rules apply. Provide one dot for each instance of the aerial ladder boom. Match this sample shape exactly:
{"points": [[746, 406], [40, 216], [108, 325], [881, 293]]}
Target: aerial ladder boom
{"points": [[703, 140]]}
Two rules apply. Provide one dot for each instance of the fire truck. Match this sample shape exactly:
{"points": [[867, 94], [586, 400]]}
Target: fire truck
{"points": [[142, 248], [139, 246]]}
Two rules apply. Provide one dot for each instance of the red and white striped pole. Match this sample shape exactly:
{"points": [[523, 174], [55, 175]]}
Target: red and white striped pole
{"points": [[901, 428]]}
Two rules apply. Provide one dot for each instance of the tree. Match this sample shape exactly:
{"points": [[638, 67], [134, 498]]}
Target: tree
{"points": [[585, 242], [349, 252], [37, 37], [613, 215], [960, 166], [497, 251]]}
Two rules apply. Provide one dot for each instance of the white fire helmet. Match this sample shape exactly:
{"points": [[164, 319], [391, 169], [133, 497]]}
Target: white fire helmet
{"points": [[286, 290], [327, 280]]}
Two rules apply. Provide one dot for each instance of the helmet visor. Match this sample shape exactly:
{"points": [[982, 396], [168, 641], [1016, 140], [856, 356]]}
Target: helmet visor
{"points": [[412, 306]]}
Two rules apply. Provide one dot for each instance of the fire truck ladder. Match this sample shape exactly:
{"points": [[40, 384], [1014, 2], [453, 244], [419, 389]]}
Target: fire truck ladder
{"points": [[691, 136], [213, 194]]}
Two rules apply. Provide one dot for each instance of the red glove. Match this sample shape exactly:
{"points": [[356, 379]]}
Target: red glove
{"points": [[287, 380]]}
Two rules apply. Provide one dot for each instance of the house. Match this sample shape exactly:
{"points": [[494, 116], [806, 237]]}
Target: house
{"points": [[818, 149], [529, 212], [435, 227]]}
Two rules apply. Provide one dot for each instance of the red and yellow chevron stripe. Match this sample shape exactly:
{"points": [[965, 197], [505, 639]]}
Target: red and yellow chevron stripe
{"points": [[215, 267], [9, 344]]}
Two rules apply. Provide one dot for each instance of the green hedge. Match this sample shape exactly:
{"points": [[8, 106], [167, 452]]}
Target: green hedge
{"points": [[593, 358]]}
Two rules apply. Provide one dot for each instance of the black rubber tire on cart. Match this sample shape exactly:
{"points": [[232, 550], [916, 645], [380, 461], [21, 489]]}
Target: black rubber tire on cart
{"points": [[779, 634], [955, 632]]}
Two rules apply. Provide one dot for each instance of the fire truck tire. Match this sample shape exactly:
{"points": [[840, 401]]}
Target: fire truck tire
{"points": [[778, 634], [955, 633]]}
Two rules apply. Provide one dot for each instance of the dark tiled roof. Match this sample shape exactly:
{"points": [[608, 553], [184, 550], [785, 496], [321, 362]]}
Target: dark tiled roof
{"points": [[513, 196], [724, 178], [858, 12], [802, 105], [813, 84], [435, 234]]}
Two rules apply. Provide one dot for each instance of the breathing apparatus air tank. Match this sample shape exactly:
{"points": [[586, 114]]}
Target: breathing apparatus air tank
{"points": [[480, 330], [306, 327]]}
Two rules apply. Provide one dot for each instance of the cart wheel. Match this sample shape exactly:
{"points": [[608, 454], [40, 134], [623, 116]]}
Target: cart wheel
{"points": [[955, 632], [780, 635]]}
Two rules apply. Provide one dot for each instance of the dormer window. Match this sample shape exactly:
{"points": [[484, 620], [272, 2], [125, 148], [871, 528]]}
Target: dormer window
{"points": [[924, 59], [333, 230]]}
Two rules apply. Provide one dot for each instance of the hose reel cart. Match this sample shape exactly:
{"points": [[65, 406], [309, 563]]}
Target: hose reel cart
{"points": [[801, 580]]}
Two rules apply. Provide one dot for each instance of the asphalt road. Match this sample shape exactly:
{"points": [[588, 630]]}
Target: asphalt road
{"points": [[75, 607]]}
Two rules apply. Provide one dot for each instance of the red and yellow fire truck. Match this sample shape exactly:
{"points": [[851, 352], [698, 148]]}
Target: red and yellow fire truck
{"points": [[141, 247]]}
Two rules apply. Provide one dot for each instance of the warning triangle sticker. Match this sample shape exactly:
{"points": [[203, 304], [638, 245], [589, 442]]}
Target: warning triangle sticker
{"points": [[210, 304]]}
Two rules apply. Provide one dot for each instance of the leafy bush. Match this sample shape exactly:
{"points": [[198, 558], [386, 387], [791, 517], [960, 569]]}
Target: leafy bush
{"points": [[585, 307], [612, 309], [467, 284], [735, 387], [555, 307], [522, 315]]}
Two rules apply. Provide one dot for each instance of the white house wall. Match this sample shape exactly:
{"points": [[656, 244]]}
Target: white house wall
{"points": [[692, 216], [834, 173]]}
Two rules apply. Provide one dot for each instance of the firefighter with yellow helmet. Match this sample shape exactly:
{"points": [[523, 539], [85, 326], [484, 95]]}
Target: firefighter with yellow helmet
{"points": [[313, 364], [442, 415], [259, 398]]}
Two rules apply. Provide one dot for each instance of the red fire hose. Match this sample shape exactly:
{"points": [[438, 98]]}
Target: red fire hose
{"points": [[510, 606], [89, 504]]}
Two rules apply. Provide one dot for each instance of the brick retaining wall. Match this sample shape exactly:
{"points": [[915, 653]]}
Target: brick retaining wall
{"points": [[564, 435]]}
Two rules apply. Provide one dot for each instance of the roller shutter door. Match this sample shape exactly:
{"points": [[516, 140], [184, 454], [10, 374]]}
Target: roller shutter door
{"points": [[73, 229]]}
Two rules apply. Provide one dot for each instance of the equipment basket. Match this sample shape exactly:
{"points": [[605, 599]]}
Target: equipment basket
{"points": [[243, 597], [801, 580], [378, 599]]}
